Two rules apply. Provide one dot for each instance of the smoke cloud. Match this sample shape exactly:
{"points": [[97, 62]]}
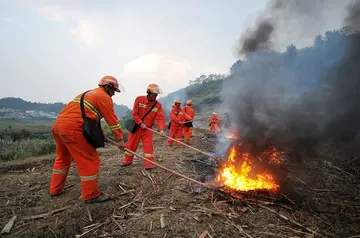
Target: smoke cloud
{"points": [[285, 20], [301, 97]]}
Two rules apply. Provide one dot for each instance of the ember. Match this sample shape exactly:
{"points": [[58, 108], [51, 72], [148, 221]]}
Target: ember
{"points": [[243, 171]]}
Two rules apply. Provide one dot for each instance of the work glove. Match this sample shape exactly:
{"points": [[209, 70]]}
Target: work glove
{"points": [[162, 133]]}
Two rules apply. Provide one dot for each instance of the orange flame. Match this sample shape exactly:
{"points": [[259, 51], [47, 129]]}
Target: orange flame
{"points": [[239, 177], [232, 136]]}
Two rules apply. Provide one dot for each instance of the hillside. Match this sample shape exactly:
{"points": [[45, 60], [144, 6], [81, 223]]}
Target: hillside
{"points": [[204, 91], [19, 106]]}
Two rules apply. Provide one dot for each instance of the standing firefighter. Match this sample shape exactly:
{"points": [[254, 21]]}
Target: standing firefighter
{"points": [[177, 117], [187, 130], [68, 132], [215, 123], [145, 111]]}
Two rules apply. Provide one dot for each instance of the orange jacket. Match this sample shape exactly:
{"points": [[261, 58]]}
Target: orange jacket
{"points": [[214, 119], [190, 111], [97, 105], [178, 115], [141, 106]]}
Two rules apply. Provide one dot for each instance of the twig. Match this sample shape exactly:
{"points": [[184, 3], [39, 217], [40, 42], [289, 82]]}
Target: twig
{"points": [[288, 219], [287, 198], [125, 185], [151, 179], [8, 226], [129, 191], [94, 228], [239, 228], [89, 214], [122, 188], [53, 232], [44, 215], [152, 208], [162, 221], [116, 223]]}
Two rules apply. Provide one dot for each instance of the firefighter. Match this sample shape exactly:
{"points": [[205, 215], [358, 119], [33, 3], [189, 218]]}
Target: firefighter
{"points": [[215, 121], [187, 130], [141, 105], [177, 117], [71, 143]]}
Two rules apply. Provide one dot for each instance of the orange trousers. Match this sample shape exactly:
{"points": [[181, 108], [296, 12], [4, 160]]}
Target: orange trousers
{"points": [[133, 142], [68, 146], [176, 133], [187, 131], [214, 127]]}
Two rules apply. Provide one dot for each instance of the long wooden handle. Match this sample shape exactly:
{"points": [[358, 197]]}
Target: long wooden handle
{"points": [[163, 167], [180, 142]]}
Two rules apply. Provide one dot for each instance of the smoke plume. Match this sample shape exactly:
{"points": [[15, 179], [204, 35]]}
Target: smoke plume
{"points": [[285, 20], [301, 97]]}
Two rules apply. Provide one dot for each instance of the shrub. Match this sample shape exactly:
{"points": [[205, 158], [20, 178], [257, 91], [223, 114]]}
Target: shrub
{"points": [[20, 149]]}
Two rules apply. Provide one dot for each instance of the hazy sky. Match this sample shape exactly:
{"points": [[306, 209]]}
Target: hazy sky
{"points": [[53, 50]]}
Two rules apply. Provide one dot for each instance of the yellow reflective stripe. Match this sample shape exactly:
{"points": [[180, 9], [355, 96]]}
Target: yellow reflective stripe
{"points": [[127, 153], [117, 126], [87, 178], [149, 155], [60, 171], [89, 106], [180, 113], [142, 105], [154, 109]]}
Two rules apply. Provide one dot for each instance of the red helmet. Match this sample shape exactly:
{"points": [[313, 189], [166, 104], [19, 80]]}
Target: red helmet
{"points": [[112, 82]]}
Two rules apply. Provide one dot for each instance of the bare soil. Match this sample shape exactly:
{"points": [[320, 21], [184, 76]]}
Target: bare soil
{"points": [[326, 195]]}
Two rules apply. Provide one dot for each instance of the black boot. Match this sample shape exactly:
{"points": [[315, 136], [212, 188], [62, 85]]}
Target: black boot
{"points": [[101, 198]]}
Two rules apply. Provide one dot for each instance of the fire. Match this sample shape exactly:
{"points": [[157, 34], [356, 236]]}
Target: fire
{"points": [[232, 136], [238, 172]]}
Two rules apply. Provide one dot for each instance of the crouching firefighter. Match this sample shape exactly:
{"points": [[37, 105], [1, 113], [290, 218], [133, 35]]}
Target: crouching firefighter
{"points": [[77, 133], [145, 112]]}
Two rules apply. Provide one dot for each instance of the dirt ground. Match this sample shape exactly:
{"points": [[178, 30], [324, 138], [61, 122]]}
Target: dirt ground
{"points": [[158, 204]]}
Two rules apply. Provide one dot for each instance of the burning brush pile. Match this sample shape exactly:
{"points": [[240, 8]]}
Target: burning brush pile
{"points": [[251, 173]]}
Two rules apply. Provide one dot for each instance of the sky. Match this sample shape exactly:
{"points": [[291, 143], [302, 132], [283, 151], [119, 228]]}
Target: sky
{"points": [[52, 51]]}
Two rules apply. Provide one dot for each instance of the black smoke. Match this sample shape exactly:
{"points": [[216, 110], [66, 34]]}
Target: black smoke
{"points": [[302, 97]]}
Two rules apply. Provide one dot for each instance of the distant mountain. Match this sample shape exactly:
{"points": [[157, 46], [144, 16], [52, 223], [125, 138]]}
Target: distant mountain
{"points": [[22, 106]]}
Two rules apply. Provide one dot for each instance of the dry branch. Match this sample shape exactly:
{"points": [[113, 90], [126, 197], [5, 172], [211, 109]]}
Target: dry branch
{"points": [[239, 228], [8, 226], [162, 221], [288, 219], [116, 223], [44, 215], [94, 228]]}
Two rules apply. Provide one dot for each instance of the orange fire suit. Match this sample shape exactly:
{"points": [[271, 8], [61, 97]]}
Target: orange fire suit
{"points": [[141, 106], [187, 131], [177, 115], [215, 124], [70, 142]]}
